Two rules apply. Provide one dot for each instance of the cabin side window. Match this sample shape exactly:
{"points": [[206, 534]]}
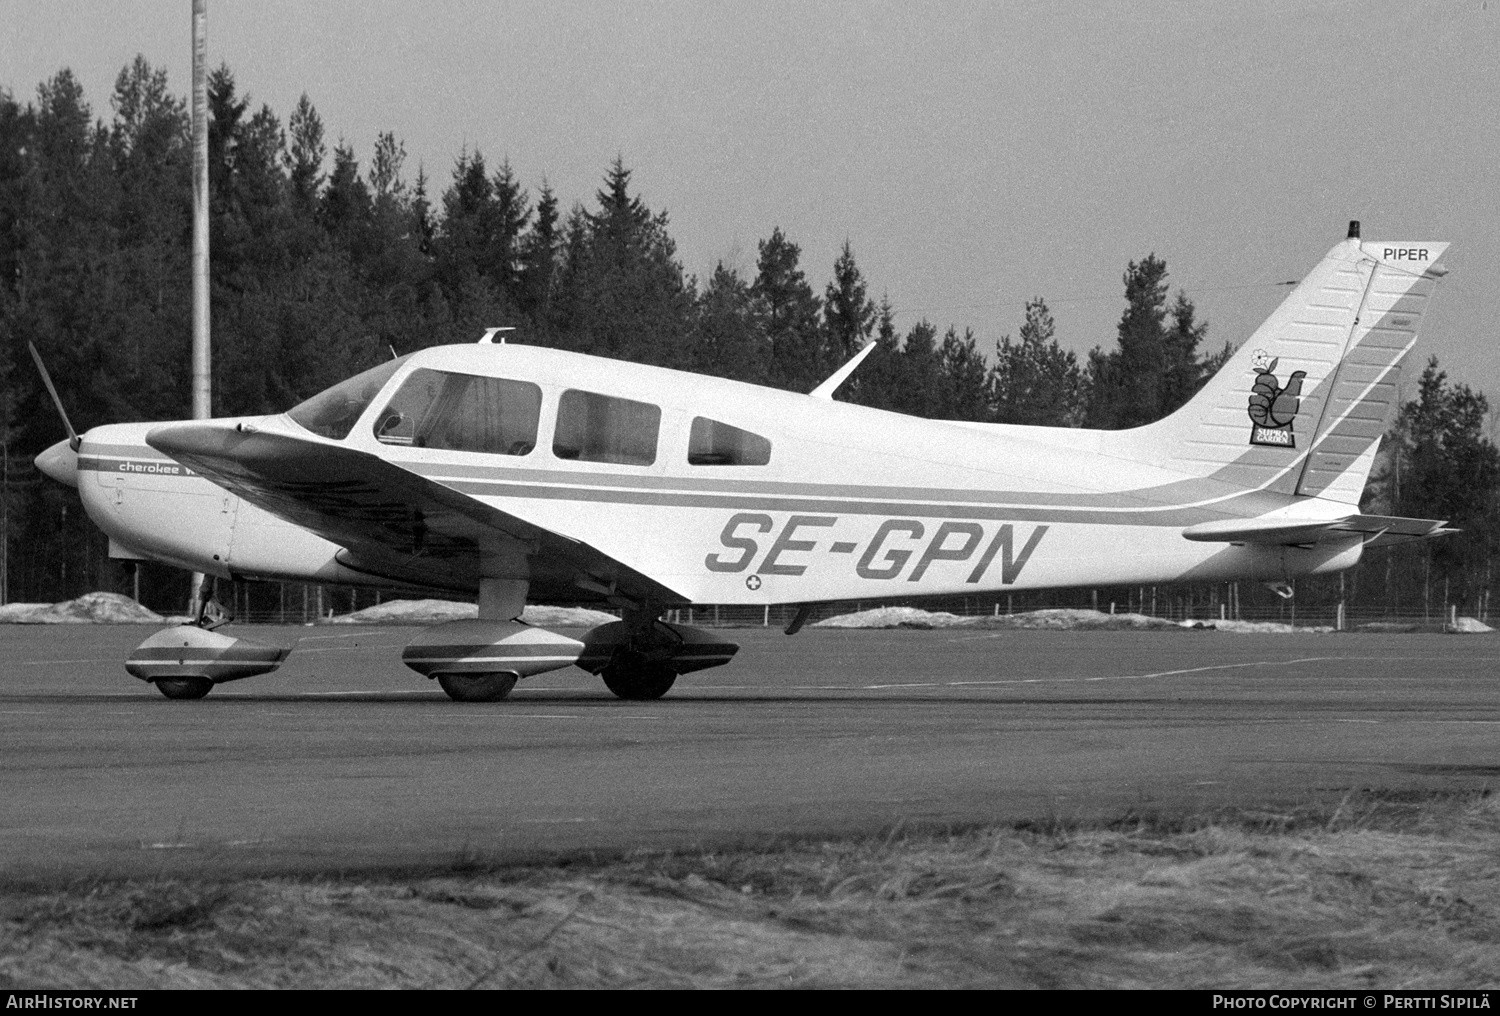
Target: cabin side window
{"points": [[601, 428], [462, 412], [711, 443]]}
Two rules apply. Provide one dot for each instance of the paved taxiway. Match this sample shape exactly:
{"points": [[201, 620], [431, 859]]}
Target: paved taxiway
{"points": [[345, 759]]}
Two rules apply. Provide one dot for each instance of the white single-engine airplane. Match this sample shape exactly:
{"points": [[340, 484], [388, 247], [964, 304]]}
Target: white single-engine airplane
{"points": [[516, 473]]}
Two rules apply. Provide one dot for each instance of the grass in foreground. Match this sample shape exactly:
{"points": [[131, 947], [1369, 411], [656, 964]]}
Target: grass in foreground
{"points": [[1382, 891]]}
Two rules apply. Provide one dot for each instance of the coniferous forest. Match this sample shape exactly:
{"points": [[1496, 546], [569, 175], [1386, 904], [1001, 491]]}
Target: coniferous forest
{"points": [[321, 267]]}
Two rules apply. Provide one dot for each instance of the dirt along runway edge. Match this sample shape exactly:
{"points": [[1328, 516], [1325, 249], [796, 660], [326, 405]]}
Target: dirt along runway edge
{"points": [[1375, 891]]}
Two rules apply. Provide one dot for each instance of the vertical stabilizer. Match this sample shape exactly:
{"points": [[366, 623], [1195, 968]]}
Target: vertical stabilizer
{"points": [[1301, 406]]}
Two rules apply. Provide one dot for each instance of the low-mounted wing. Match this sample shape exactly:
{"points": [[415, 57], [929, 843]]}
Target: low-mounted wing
{"points": [[391, 521], [1377, 530]]}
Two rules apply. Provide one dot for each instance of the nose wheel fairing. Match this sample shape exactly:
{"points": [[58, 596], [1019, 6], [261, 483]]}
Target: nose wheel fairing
{"points": [[186, 660]]}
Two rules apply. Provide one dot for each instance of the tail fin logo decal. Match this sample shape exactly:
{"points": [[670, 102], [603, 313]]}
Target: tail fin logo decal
{"points": [[1273, 406]]}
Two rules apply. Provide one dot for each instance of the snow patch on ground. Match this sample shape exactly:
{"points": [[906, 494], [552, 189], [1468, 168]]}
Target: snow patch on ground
{"points": [[1071, 618], [565, 617], [90, 608], [21, 613], [1053, 618], [1264, 627], [1092, 620], [411, 612], [891, 617]]}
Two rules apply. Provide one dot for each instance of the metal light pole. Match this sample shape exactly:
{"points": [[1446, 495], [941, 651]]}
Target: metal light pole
{"points": [[202, 408], [5, 524]]}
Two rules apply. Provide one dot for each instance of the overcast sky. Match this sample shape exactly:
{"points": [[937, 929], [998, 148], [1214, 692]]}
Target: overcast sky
{"points": [[973, 154]]}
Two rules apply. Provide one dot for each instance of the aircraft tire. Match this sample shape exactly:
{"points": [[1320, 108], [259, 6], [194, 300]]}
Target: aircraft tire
{"points": [[638, 684], [184, 687], [477, 687]]}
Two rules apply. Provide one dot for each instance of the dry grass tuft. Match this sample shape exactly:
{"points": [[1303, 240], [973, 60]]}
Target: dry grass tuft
{"points": [[1380, 890]]}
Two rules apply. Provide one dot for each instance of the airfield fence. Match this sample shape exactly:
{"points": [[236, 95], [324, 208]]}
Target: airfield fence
{"points": [[734, 616], [278, 603]]}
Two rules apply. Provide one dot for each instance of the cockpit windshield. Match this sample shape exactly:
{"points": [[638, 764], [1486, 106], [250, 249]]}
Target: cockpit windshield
{"points": [[332, 413]]}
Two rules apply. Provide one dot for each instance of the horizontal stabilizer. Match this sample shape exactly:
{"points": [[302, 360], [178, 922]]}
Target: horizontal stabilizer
{"points": [[1377, 530]]}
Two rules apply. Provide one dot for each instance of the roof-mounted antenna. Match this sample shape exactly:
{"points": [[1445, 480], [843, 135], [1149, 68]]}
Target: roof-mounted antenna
{"points": [[838, 377], [489, 334], [1354, 229]]}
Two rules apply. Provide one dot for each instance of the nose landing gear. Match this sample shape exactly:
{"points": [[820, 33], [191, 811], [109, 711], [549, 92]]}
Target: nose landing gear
{"points": [[186, 662], [184, 687], [477, 687]]}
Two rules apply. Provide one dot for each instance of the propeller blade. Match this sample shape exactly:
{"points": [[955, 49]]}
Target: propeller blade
{"points": [[73, 439]]}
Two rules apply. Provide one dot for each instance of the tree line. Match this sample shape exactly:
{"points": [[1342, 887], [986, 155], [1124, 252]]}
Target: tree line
{"points": [[322, 267]]}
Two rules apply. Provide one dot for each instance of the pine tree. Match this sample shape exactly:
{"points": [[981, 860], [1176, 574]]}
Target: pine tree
{"points": [[540, 250], [69, 254], [1182, 372], [963, 392], [305, 154], [788, 313], [726, 341], [879, 375], [621, 292], [512, 212], [848, 311], [1448, 469], [421, 213], [345, 208], [1034, 380], [151, 153], [1126, 386], [919, 377]]}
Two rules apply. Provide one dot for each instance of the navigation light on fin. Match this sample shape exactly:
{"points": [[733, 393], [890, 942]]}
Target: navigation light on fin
{"points": [[838, 377], [488, 337]]}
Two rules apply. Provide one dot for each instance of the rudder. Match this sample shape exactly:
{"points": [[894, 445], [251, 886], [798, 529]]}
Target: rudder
{"points": [[1301, 406]]}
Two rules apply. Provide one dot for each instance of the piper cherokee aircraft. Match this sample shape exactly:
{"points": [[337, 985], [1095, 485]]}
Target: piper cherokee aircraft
{"points": [[515, 473]]}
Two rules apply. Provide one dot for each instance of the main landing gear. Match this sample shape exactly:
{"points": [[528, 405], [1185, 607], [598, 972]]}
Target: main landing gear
{"points": [[481, 660], [638, 680], [640, 657]]}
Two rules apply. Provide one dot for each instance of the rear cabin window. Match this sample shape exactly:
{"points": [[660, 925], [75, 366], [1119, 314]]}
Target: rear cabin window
{"points": [[462, 412], [711, 443], [601, 428]]}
